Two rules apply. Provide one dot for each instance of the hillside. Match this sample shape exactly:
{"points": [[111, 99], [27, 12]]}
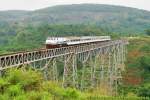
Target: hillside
{"points": [[112, 18], [29, 29], [136, 78]]}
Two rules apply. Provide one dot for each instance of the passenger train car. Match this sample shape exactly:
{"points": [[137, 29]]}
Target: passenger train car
{"points": [[56, 42]]}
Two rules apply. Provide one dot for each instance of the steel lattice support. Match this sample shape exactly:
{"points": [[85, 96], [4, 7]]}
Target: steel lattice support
{"points": [[50, 70], [87, 71], [70, 71]]}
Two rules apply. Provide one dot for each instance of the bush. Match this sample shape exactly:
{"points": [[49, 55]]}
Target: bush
{"points": [[70, 93], [3, 85], [148, 32], [38, 95], [4, 97], [46, 96], [32, 80], [20, 97], [144, 91], [14, 76], [60, 93], [14, 90], [29, 80], [33, 95], [145, 62]]}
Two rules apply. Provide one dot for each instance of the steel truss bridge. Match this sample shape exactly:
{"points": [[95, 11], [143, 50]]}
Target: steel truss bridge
{"points": [[84, 66]]}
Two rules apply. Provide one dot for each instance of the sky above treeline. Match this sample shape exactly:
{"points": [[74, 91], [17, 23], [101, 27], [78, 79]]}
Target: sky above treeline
{"points": [[38, 4]]}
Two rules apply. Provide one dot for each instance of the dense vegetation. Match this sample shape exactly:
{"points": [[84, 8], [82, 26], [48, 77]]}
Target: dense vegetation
{"points": [[137, 75], [29, 85], [31, 37], [148, 32], [21, 84]]}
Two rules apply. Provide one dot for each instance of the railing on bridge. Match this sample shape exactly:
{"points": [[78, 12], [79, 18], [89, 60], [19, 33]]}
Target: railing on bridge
{"points": [[105, 61]]}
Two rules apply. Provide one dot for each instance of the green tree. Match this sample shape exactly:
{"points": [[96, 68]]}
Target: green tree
{"points": [[148, 32], [144, 91]]}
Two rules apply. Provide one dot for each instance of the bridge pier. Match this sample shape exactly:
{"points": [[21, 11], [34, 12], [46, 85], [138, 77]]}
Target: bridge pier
{"points": [[70, 78], [50, 70], [87, 71]]}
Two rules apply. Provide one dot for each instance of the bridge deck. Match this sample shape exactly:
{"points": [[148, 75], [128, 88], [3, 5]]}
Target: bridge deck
{"points": [[12, 60]]}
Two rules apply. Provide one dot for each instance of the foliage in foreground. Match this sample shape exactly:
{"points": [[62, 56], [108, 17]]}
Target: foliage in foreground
{"points": [[19, 84], [29, 85]]}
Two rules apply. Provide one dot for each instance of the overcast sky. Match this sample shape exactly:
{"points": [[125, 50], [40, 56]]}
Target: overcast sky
{"points": [[37, 4]]}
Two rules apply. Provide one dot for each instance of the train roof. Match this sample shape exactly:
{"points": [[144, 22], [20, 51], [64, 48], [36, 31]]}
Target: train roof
{"points": [[74, 40], [75, 37]]}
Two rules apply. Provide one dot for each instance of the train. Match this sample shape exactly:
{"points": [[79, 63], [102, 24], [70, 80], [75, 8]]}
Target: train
{"points": [[56, 42]]}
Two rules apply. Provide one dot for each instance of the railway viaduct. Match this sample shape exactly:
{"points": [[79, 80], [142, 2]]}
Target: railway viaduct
{"points": [[84, 66]]}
